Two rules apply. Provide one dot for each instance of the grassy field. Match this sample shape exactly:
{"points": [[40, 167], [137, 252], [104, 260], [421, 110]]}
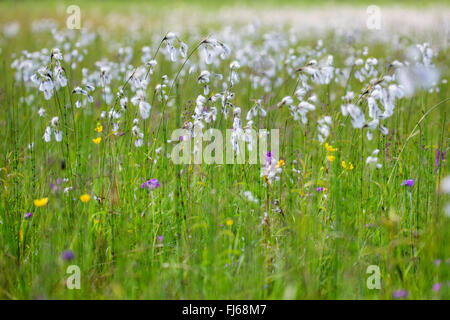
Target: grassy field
{"points": [[358, 181]]}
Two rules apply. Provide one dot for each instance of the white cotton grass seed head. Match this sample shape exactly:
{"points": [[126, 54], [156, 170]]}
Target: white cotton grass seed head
{"points": [[41, 112], [445, 185], [249, 196]]}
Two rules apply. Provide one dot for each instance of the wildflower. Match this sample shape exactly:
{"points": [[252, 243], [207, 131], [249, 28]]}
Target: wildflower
{"points": [[98, 129], [280, 163], [229, 222], [329, 147], [408, 183], [41, 112], [437, 286], [28, 215], [250, 196], [40, 202], [68, 255], [85, 198], [400, 294], [320, 189], [439, 155], [150, 184], [331, 158], [67, 189], [270, 170], [347, 166], [97, 140]]}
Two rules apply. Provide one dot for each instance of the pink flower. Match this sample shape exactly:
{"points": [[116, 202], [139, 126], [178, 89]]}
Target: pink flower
{"points": [[150, 184], [437, 286]]}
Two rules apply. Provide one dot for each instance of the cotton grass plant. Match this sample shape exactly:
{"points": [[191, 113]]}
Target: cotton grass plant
{"points": [[87, 176]]}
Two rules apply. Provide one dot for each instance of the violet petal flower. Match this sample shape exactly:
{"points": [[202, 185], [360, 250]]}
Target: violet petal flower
{"points": [[436, 160], [28, 215], [408, 183], [68, 255], [150, 184], [400, 294], [439, 155], [437, 286]]}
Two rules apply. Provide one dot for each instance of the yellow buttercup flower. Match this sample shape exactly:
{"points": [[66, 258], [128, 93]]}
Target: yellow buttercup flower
{"points": [[280, 163], [347, 166], [229, 222], [99, 128], [85, 198], [40, 202], [97, 140], [329, 147], [331, 158]]}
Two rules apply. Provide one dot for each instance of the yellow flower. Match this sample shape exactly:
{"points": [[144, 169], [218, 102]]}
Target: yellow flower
{"points": [[229, 222], [85, 198], [99, 128], [347, 166], [280, 163], [329, 147], [97, 140], [40, 202], [331, 158]]}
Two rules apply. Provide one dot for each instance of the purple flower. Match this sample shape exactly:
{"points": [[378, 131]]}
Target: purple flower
{"points": [[28, 215], [150, 184], [160, 238], [400, 294], [437, 262], [408, 183], [67, 255], [437, 286], [439, 155], [320, 189], [269, 157], [55, 186]]}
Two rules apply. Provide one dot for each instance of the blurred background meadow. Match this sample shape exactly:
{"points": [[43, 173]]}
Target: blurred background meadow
{"points": [[86, 125]]}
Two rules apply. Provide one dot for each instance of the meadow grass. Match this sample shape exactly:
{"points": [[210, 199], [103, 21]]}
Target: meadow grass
{"points": [[295, 242]]}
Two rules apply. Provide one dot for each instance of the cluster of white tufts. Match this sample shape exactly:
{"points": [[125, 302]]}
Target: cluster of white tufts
{"points": [[255, 64]]}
